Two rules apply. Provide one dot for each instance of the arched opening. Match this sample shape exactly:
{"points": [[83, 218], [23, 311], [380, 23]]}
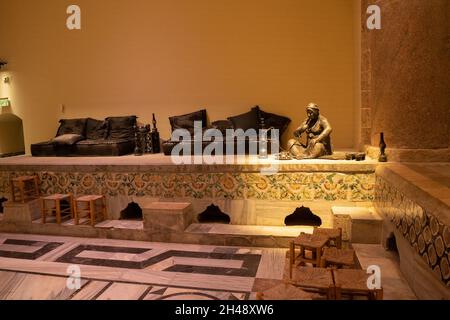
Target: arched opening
{"points": [[213, 214], [132, 212], [391, 243], [2, 200], [303, 216], [11, 135]]}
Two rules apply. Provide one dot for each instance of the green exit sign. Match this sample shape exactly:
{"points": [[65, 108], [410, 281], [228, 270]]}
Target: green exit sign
{"points": [[4, 102]]}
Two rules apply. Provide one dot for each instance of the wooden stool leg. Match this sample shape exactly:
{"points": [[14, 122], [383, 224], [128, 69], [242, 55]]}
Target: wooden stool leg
{"points": [[75, 212], [318, 256], [104, 207], [337, 293], [379, 294], [58, 211], [291, 257], [22, 190], [13, 194], [71, 205], [323, 263], [92, 212], [36, 185], [43, 210], [339, 239]]}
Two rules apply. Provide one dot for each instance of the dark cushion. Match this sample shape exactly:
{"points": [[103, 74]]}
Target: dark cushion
{"points": [[69, 139], [222, 125], [274, 120], [96, 129], [186, 121], [75, 126], [245, 121], [121, 127], [102, 147]]}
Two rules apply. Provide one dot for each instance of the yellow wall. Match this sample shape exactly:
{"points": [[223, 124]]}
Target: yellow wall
{"points": [[175, 56]]}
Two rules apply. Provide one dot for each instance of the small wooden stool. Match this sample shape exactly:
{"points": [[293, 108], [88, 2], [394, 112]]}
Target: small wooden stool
{"points": [[55, 200], [353, 282], [308, 244], [24, 187], [338, 257], [285, 291], [319, 280], [334, 235], [91, 207]]}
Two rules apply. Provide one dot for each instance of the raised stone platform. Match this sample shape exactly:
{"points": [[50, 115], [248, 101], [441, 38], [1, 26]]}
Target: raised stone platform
{"points": [[168, 216], [413, 200], [359, 225], [244, 190]]}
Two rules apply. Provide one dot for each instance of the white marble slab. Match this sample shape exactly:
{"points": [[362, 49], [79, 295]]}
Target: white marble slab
{"points": [[19, 248], [272, 264], [110, 255], [21, 286]]}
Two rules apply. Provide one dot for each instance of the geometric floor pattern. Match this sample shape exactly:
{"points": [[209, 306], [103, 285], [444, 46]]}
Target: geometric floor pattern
{"points": [[40, 267]]}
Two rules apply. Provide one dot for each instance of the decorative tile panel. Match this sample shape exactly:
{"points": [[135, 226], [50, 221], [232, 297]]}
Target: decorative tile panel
{"points": [[429, 237], [297, 186]]}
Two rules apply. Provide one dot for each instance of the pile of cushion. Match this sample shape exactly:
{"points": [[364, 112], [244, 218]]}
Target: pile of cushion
{"points": [[113, 136]]}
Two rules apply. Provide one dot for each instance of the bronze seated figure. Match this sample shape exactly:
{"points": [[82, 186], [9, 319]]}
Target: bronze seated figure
{"points": [[318, 142]]}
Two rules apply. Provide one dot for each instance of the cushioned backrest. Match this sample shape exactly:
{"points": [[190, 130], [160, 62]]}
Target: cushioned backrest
{"points": [[245, 121], [121, 127], [276, 121], [186, 121], [72, 126], [96, 129]]}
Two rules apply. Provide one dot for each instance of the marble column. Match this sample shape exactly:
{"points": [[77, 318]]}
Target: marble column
{"points": [[406, 79]]}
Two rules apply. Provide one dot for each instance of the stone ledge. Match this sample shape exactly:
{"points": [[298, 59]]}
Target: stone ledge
{"points": [[163, 164], [414, 186], [21, 212], [411, 155]]}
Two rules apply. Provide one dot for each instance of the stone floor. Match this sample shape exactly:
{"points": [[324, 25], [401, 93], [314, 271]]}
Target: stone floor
{"points": [[38, 267], [393, 282]]}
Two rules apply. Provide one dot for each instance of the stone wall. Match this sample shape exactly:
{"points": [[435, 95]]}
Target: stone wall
{"points": [[405, 72]]}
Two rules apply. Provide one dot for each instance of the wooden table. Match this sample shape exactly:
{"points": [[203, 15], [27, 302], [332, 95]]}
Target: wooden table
{"points": [[308, 244], [354, 282], [338, 257]]}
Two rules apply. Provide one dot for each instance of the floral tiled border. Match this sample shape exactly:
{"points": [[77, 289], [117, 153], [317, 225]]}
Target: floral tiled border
{"points": [[429, 237], [328, 186]]}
